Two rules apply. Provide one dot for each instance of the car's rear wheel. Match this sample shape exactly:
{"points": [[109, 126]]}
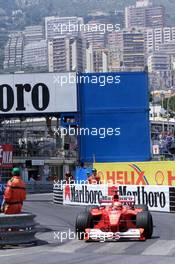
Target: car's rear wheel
{"points": [[144, 207], [144, 220], [84, 220]]}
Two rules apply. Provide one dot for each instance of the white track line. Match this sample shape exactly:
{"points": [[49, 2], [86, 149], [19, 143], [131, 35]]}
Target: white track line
{"points": [[71, 246], [160, 248], [114, 247]]}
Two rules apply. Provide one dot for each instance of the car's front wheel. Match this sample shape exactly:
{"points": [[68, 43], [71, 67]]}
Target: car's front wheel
{"points": [[84, 220], [144, 220], [144, 207]]}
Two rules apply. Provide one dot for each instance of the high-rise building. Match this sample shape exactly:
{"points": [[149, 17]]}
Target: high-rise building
{"points": [[160, 79], [160, 67], [63, 26], [14, 52], [144, 14], [77, 54], [134, 17], [65, 54], [114, 45], [125, 50], [154, 37], [33, 34], [155, 16], [36, 55], [143, 3], [159, 62], [27, 3], [96, 59], [89, 59], [94, 35], [168, 48], [133, 49]]}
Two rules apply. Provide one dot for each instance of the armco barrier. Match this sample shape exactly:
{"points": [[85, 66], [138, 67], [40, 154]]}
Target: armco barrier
{"points": [[158, 198], [39, 187], [17, 229]]}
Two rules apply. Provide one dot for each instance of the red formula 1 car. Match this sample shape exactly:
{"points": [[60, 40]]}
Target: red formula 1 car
{"points": [[115, 220]]}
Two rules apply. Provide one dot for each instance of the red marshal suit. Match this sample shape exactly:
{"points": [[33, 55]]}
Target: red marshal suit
{"points": [[14, 195]]}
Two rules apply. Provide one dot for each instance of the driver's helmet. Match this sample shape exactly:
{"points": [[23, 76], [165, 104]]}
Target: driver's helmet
{"points": [[118, 205]]}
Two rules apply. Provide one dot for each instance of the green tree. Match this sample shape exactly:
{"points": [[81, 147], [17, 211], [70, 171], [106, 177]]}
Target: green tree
{"points": [[169, 104], [150, 97]]}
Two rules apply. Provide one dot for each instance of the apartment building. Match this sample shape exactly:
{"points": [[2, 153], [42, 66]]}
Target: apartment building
{"points": [[14, 52], [154, 37], [36, 55], [65, 54], [33, 34], [144, 14], [97, 60], [133, 49], [63, 26]]}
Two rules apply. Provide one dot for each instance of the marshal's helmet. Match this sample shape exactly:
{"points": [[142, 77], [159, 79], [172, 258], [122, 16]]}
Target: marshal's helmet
{"points": [[16, 171]]}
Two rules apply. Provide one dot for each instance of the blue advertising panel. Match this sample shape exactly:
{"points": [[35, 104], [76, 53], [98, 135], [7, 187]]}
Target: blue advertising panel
{"points": [[114, 117], [82, 174]]}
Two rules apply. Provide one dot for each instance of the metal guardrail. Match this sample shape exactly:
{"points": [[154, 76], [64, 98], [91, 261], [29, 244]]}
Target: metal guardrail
{"points": [[17, 229], [39, 187]]}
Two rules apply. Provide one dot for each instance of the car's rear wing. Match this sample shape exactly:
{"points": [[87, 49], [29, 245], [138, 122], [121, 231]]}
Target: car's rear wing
{"points": [[127, 200], [106, 202]]}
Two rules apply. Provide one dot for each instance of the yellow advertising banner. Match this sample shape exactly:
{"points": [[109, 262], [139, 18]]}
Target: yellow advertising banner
{"points": [[137, 173]]}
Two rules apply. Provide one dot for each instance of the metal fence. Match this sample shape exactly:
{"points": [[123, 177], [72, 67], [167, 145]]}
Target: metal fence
{"points": [[39, 187], [33, 137]]}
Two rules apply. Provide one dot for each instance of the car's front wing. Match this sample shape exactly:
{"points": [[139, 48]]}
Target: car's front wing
{"points": [[99, 235]]}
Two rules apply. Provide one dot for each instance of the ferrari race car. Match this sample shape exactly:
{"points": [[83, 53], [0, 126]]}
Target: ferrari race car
{"points": [[115, 220]]}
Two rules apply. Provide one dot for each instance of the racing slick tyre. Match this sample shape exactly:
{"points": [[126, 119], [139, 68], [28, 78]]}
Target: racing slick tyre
{"points": [[144, 207], [144, 220], [84, 220], [90, 207]]}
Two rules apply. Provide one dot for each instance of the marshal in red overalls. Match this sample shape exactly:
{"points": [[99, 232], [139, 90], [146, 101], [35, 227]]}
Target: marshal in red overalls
{"points": [[15, 193]]}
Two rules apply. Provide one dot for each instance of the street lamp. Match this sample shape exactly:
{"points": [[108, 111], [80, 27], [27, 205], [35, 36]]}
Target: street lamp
{"points": [[162, 97], [168, 115]]}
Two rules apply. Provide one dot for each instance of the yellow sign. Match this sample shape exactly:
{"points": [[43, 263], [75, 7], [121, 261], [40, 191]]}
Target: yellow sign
{"points": [[137, 173]]}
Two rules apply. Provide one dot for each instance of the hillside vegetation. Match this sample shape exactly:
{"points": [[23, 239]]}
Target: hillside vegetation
{"points": [[42, 8]]}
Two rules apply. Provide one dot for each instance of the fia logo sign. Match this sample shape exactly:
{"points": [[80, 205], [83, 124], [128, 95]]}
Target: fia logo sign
{"points": [[6, 156]]}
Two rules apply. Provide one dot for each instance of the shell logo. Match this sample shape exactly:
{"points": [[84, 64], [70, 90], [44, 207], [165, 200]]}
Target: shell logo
{"points": [[159, 177]]}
